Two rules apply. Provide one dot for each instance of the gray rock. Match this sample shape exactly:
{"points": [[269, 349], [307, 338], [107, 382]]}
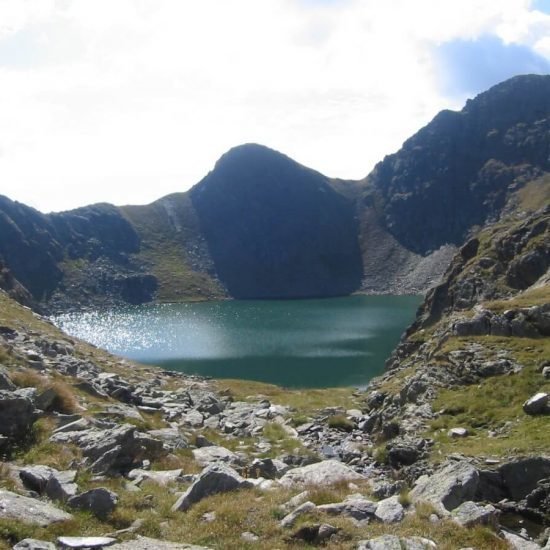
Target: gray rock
{"points": [[85, 542], [48, 481], [34, 544], [263, 467], [393, 542], [320, 473], [354, 507], [213, 454], [537, 404], [162, 477], [315, 534], [113, 450], [145, 543], [30, 510], [17, 414], [216, 478], [390, 510], [247, 536], [449, 487], [290, 519], [101, 502], [6, 383], [546, 373], [171, 438], [295, 501], [470, 514], [385, 542], [457, 432], [519, 543], [193, 419]]}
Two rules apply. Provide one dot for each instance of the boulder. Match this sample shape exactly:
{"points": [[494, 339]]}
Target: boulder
{"points": [[537, 404], [34, 544], [353, 507], [171, 437], [85, 543], [17, 414], [521, 477], [162, 477], [210, 455], [216, 478], [320, 473], [145, 543], [393, 542], [48, 481], [470, 514], [390, 510], [457, 432], [30, 510], [100, 501], [515, 542], [290, 519], [113, 450], [315, 534], [449, 487]]}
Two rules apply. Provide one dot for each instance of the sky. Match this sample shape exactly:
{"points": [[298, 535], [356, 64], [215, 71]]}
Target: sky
{"points": [[125, 101]]}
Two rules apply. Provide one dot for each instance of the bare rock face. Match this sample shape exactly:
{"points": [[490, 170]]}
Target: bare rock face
{"points": [[320, 473], [30, 510], [217, 478]]}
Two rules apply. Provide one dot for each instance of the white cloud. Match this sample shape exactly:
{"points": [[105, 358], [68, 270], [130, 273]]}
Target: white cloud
{"points": [[127, 100]]}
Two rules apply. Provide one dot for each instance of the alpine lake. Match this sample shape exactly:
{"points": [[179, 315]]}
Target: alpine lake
{"points": [[292, 343]]}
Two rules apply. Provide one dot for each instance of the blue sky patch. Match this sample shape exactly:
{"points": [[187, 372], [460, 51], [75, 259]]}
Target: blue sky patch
{"points": [[468, 67]]}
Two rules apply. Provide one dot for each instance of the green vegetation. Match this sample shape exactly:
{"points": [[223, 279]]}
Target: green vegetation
{"points": [[340, 422], [169, 229], [491, 411], [303, 403]]}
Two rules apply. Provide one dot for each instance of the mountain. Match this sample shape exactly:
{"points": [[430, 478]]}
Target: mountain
{"points": [[260, 225], [276, 229]]}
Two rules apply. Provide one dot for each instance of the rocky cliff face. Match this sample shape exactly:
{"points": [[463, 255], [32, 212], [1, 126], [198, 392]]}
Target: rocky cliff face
{"points": [[458, 171]]}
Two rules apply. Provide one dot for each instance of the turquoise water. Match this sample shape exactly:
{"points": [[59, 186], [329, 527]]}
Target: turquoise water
{"points": [[294, 343]]}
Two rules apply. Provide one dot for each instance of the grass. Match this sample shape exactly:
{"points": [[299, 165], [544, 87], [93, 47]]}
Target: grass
{"points": [[340, 422], [39, 450], [495, 404], [165, 238], [531, 297], [303, 403]]}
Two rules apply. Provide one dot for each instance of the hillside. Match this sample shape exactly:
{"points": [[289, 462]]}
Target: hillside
{"points": [[260, 225]]}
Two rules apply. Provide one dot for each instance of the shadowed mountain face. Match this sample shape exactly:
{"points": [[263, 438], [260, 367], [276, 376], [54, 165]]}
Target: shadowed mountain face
{"points": [[457, 172], [277, 229]]}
